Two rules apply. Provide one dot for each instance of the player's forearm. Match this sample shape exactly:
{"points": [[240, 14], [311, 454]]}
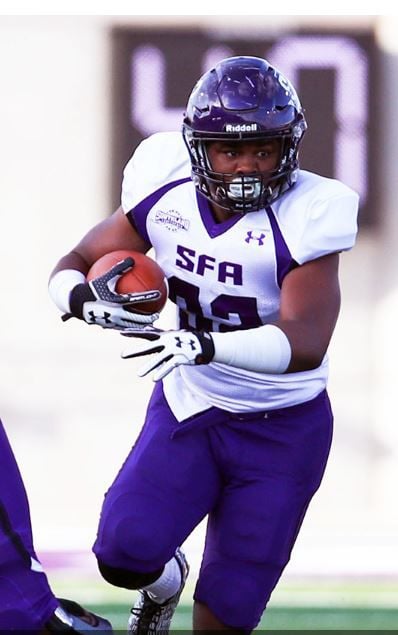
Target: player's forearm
{"points": [[70, 271], [72, 260], [309, 340], [264, 349], [290, 347]]}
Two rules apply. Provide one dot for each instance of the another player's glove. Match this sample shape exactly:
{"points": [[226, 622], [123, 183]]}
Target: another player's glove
{"points": [[96, 301], [71, 618], [172, 348]]}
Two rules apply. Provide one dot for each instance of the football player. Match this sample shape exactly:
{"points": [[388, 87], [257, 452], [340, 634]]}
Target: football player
{"points": [[239, 425], [27, 602]]}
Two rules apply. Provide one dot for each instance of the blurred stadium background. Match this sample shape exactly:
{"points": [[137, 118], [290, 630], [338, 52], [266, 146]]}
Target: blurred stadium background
{"points": [[77, 94]]}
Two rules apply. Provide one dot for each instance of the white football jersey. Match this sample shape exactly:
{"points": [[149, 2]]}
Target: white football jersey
{"points": [[224, 276]]}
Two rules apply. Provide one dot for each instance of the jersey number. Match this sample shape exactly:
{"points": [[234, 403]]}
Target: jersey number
{"points": [[240, 310]]}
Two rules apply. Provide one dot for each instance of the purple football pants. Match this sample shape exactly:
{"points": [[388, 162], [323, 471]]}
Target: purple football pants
{"points": [[254, 477], [26, 600]]}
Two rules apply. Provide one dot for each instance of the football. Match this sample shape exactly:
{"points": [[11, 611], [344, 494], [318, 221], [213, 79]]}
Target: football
{"points": [[146, 275]]}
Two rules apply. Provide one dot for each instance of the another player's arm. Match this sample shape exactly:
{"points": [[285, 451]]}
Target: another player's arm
{"points": [[309, 308], [114, 232]]}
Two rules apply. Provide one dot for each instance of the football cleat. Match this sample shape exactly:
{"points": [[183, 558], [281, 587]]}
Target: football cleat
{"points": [[150, 618], [73, 618]]}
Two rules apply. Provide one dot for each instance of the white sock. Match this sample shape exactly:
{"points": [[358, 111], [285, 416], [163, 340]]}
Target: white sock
{"points": [[167, 585]]}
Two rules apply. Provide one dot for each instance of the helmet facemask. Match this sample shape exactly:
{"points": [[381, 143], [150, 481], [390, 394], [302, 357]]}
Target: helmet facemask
{"points": [[242, 193]]}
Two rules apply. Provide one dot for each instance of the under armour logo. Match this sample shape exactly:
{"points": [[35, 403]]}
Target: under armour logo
{"points": [[259, 238], [180, 343], [106, 318]]}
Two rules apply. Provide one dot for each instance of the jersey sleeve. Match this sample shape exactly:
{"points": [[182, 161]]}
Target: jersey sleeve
{"points": [[329, 224], [157, 161]]}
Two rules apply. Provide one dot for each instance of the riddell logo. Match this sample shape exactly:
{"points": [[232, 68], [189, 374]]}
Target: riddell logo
{"points": [[241, 127]]}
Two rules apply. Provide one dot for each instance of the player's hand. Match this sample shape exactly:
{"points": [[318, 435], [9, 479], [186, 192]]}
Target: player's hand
{"points": [[97, 302], [171, 349], [70, 617]]}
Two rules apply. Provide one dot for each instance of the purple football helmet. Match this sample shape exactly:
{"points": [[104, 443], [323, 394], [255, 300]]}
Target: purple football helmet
{"points": [[243, 98]]}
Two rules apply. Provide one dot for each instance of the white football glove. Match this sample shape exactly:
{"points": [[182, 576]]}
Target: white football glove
{"points": [[70, 617], [172, 348], [96, 302]]}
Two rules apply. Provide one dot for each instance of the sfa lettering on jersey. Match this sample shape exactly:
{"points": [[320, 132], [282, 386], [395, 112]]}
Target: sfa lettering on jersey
{"points": [[202, 264]]}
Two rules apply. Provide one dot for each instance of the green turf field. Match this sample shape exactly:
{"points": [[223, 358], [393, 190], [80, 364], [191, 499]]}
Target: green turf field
{"points": [[285, 618], [297, 605]]}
